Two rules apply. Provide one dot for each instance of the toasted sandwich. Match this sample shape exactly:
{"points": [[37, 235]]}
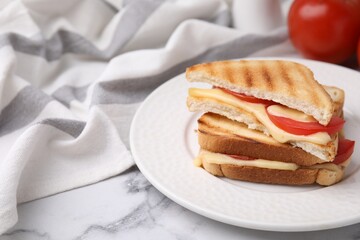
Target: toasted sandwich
{"points": [[268, 121]]}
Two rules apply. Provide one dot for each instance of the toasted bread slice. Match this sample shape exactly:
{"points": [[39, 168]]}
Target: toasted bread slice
{"points": [[289, 83], [217, 133], [323, 174]]}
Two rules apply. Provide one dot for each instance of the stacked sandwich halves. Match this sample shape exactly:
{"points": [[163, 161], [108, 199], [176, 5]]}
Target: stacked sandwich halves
{"points": [[270, 122]]}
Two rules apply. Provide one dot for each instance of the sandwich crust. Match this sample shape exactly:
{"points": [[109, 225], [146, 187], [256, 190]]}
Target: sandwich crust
{"points": [[289, 83], [300, 176], [338, 97]]}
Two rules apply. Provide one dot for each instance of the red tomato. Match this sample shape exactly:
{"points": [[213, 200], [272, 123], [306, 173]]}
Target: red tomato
{"points": [[248, 98], [240, 157], [345, 150], [325, 30], [358, 52], [306, 128]]}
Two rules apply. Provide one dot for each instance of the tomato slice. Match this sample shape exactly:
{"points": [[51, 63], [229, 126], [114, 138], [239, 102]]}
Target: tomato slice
{"points": [[248, 98], [306, 128], [241, 157], [345, 150]]}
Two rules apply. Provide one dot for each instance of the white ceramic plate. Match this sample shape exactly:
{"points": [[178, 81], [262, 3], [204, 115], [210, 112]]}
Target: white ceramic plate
{"points": [[164, 144]]}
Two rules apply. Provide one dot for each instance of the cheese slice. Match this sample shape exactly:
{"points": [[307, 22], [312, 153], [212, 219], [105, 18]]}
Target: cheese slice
{"points": [[259, 111], [219, 158], [283, 111]]}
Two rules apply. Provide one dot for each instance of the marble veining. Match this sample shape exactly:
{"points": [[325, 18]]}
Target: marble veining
{"points": [[129, 207], [143, 215], [24, 233]]}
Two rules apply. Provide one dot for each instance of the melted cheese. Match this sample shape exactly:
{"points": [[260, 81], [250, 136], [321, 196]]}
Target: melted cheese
{"points": [[283, 111], [259, 111], [329, 166], [240, 129], [197, 162], [219, 158]]}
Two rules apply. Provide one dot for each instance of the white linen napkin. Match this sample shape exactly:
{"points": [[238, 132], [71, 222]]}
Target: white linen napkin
{"points": [[72, 74]]}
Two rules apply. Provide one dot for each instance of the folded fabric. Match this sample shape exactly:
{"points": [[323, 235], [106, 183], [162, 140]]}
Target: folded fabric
{"points": [[72, 74]]}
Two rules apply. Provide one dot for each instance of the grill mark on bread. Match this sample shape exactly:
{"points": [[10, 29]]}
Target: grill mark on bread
{"points": [[222, 68], [284, 75], [300, 70], [227, 71], [266, 76], [210, 69], [247, 75], [201, 121], [205, 132], [204, 123]]}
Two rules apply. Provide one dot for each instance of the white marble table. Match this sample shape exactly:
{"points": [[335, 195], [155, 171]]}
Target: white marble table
{"points": [[129, 207]]}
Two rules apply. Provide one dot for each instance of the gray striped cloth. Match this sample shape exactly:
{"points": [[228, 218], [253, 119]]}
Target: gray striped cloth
{"points": [[72, 74]]}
